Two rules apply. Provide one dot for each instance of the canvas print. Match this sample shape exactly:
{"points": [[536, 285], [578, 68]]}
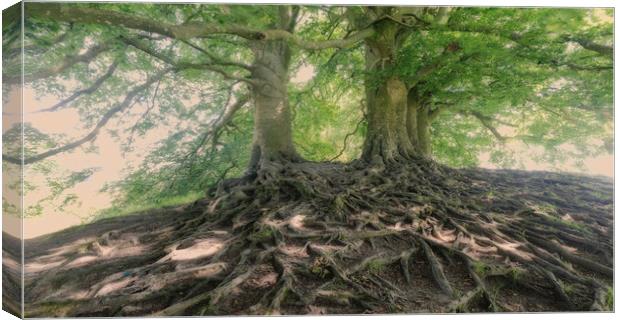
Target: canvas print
{"points": [[171, 159]]}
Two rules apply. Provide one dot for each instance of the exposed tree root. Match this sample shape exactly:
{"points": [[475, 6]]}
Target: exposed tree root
{"points": [[296, 238], [437, 270]]}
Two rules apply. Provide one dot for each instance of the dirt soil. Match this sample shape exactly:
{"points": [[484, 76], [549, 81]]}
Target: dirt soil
{"points": [[326, 238]]}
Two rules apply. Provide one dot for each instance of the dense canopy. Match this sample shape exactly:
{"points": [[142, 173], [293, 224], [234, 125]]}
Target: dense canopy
{"points": [[477, 80]]}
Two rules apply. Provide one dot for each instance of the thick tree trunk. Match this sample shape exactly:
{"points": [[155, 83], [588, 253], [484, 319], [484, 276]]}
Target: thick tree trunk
{"points": [[418, 122], [386, 99], [412, 118], [423, 127], [273, 139]]}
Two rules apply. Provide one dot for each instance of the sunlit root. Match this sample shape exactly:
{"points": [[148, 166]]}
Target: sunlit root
{"points": [[325, 238]]}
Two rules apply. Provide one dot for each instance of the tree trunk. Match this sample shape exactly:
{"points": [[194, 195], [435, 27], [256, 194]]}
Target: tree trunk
{"points": [[413, 104], [418, 121], [423, 126], [273, 139], [386, 99]]}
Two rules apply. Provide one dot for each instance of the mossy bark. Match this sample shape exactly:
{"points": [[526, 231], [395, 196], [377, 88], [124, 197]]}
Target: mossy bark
{"points": [[413, 104], [386, 98], [418, 122], [273, 139], [423, 127]]}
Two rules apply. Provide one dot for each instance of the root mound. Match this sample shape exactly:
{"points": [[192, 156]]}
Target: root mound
{"points": [[327, 238]]}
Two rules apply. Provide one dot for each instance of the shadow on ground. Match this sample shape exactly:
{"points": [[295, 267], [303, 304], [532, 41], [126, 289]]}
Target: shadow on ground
{"points": [[350, 241]]}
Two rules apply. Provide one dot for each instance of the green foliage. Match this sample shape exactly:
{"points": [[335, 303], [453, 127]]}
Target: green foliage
{"points": [[543, 92], [329, 107], [537, 90]]}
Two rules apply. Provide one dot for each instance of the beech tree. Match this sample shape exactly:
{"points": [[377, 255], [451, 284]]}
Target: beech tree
{"points": [[268, 71], [276, 224], [404, 130], [478, 56]]}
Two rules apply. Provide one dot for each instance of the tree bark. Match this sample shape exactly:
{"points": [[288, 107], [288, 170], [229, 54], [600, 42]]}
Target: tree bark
{"points": [[273, 139], [413, 104], [424, 135], [419, 121], [386, 99]]}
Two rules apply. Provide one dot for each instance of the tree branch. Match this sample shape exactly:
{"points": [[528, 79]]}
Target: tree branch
{"points": [[346, 137], [605, 112], [67, 62], [584, 68], [556, 64], [295, 10], [486, 122], [145, 114], [92, 88], [218, 60], [604, 50], [123, 105], [13, 52], [444, 58], [140, 45], [440, 107], [79, 14], [319, 44], [216, 125]]}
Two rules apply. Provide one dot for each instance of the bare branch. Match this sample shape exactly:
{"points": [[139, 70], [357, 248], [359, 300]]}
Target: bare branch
{"points": [[604, 50], [144, 47], [487, 123], [123, 105], [556, 63], [215, 126]]}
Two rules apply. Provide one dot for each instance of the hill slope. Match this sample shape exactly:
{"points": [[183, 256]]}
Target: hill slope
{"points": [[331, 238]]}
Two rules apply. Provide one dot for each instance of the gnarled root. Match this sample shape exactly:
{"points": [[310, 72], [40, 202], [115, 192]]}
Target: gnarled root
{"points": [[325, 238]]}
